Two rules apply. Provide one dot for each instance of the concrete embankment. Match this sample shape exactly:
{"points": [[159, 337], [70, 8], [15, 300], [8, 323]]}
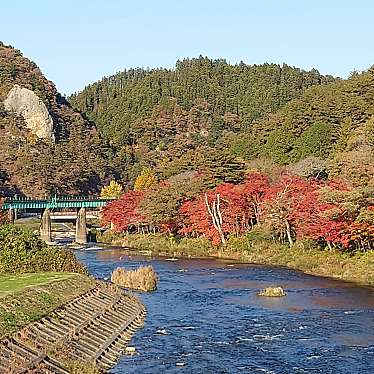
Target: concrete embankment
{"points": [[91, 332]]}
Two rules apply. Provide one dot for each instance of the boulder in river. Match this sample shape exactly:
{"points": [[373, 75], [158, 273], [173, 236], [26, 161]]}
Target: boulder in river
{"points": [[272, 292]]}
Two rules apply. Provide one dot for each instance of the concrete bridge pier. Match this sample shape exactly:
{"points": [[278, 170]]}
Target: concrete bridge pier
{"points": [[45, 226], [11, 215], [81, 227]]}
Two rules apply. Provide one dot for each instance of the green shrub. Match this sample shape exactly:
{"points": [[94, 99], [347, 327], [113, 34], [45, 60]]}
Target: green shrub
{"points": [[8, 318], [258, 234], [250, 241], [46, 298], [23, 252]]}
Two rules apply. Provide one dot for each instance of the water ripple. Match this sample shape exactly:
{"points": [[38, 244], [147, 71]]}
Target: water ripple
{"points": [[208, 319]]}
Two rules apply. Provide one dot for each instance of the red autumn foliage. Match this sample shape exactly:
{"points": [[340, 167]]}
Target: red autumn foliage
{"points": [[254, 189], [232, 208], [291, 207], [283, 202], [315, 221], [123, 213], [329, 222], [358, 233], [239, 207]]}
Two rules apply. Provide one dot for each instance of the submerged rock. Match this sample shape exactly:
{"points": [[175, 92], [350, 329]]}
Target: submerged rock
{"points": [[272, 292]]}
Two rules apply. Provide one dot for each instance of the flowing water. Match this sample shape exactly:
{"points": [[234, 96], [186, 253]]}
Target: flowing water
{"points": [[205, 317]]}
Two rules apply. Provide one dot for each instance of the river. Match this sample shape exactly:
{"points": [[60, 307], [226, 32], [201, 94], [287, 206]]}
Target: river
{"points": [[205, 317]]}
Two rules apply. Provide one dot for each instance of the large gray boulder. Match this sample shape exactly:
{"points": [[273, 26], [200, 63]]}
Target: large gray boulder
{"points": [[26, 103]]}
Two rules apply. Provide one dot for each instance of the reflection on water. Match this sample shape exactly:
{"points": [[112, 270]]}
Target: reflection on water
{"points": [[205, 317], [363, 340]]}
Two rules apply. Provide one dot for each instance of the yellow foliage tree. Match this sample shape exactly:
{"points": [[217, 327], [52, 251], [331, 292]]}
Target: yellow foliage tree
{"points": [[144, 180], [112, 191]]}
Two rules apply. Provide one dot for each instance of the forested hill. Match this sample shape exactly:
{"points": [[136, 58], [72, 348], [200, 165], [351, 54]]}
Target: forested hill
{"points": [[328, 128], [200, 86], [319, 123], [174, 120], [68, 159]]}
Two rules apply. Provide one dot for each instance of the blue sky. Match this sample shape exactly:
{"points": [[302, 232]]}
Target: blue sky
{"points": [[78, 42]]}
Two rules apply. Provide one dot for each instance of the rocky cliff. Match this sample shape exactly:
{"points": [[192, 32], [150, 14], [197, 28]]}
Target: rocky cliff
{"points": [[46, 146], [27, 104]]}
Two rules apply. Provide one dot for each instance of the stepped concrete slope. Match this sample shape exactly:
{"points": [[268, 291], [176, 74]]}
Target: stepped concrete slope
{"points": [[93, 328]]}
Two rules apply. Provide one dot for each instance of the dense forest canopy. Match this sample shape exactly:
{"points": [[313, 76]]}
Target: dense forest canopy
{"points": [[186, 118], [117, 102], [221, 151], [319, 123]]}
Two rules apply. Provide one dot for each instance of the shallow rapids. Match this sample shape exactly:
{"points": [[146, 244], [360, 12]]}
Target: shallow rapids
{"points": [[205, 317]]}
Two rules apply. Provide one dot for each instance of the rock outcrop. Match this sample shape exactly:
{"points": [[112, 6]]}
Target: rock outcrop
{"points": [[272, 292], [26, 103]]}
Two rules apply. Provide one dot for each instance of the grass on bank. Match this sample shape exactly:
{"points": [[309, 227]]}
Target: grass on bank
{"points": [[36, 295], [35, 279], [32, 224], [16, 283], [256, 249]]}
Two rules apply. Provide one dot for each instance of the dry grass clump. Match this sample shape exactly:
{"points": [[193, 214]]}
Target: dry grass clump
{"points": [[144, 278], [272, 292]]}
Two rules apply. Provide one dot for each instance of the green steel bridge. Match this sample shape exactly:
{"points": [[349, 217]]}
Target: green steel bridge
{"points": [[55, 202], [81, 203]]}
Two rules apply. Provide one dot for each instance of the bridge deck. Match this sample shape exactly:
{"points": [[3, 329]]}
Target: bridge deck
{"points": [[54, 203]]}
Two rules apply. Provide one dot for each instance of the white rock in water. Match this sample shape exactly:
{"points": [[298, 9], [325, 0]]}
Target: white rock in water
{"points": [[130, 349], [26, 103], [162, 332]]}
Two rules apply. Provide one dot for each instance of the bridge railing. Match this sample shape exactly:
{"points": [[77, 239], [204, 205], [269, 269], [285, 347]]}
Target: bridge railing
{"points": [[57, 197], [54, 202]]}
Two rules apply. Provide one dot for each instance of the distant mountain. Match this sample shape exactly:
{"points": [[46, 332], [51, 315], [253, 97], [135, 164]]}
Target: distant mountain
{"points": [[46, 146]]}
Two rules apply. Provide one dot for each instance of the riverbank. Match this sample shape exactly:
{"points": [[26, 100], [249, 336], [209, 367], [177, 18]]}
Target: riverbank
{"points": [[54, 317], [28, 297], [65, 323], [305, 257]]}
